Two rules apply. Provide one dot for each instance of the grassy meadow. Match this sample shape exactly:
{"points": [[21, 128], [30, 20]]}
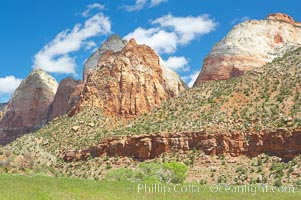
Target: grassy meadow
{"points": [[41, 187]]}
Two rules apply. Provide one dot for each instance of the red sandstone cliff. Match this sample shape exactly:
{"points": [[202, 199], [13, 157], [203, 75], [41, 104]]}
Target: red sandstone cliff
{"points": [[66, 97], [129, 82], [283, 143]]}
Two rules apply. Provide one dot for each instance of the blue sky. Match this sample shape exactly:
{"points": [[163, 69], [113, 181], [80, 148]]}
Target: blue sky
{"points": [[58, 35]]}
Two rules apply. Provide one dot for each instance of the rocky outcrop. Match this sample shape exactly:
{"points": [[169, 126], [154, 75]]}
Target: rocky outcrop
{"points": [[114, 43], [249, 45], [281, 17], [66, 97], [27, 110], [129, 82], [282, 143], [2, 108]]}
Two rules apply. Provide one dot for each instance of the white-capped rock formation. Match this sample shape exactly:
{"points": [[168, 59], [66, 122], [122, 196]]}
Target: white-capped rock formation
{"points": [[249, 45], [113, 43], [27, 110]]}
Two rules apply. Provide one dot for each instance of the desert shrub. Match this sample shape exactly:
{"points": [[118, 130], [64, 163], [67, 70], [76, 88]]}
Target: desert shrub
{"points": [[278, 169], [151, 172], [120, 175], [203, 182], [178, 171], [173, 172], [278, 183], [241, 170], [298, 182]]}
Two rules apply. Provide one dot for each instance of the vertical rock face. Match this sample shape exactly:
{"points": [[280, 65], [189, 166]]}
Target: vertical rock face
{"points": [[114, 43], [2, 108], [249, 45], [172, 81], [66, 97], [129, 82], [27, 110]]}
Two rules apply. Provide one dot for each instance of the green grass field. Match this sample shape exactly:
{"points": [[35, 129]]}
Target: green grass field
{"points": [[40, 187]]}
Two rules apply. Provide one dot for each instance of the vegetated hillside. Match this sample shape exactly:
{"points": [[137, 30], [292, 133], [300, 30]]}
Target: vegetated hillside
{"points": [[79, 130], [265, 98], [65, 132]]}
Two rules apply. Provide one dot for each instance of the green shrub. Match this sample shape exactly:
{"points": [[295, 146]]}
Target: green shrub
{"points": [[241, 170], [298, 182], [178, 171], [120, 175], [203, 182], [151, 172], [173, 172], [278, 183]]}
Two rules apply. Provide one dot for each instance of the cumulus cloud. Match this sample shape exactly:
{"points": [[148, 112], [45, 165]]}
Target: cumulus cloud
{"points": [[187, 28], [89, 45], [55, 56], [90, 7], [160, 40], [177, 63], [141, 4], [170, 32], [154, 3], [9, 84], [191, 78]]}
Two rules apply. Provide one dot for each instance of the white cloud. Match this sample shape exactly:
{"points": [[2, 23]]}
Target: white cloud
{"points": [[89, 45], [9, 84], [170, 32], [160, 40], [154, 3], [177, 63], [55, 56], [140, 4], [90, 7], [187, 28], [239, 20], [191, 78]]}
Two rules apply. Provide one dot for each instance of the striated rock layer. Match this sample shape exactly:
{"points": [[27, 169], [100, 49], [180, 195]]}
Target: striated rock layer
{"points": [[27, 110], [66, 97], [249, 45], [283, 143], [129, 82]]}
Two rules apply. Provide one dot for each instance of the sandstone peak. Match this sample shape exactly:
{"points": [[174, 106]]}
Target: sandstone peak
{"points": [[27, 109], [38, 76], [129, 82], [113, 43], [249, 45], [133, 42], [281, 17], [114, 37]]}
